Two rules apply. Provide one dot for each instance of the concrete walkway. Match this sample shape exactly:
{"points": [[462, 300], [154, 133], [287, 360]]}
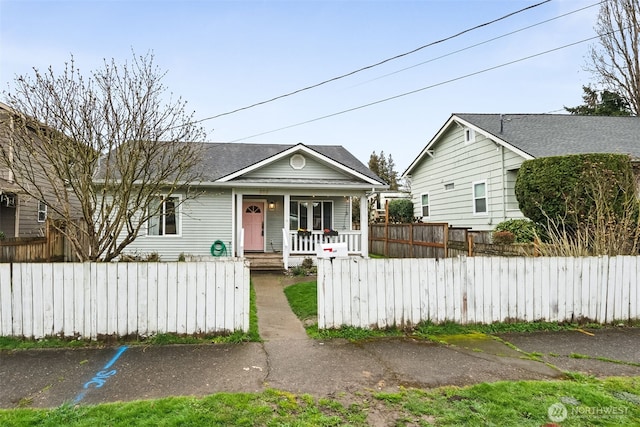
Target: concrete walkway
{"points": [[276, 320], [288, 360]]}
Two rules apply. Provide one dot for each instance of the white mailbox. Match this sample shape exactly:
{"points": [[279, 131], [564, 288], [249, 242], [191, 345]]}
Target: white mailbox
{"points": [[333, 250]]}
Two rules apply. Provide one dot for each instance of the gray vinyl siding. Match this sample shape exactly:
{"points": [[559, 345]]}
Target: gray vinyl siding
{"points": [[203, 221], [461, 164], [313, 169]]}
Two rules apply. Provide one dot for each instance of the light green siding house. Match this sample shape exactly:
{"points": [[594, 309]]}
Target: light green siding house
{"points": [[265, 198], [466, 174]]}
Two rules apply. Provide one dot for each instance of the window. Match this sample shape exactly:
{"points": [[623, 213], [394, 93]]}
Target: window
{"points": [[42, 211], [316, 215], [297, 161], [469, 135], [449, 186], [480, 197], [165, 221], [425, 205]]}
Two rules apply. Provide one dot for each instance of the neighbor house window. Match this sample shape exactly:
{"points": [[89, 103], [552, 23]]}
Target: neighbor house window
{"points": [[311, 215], [165, 221], [425, 205], [42, 211], [449, 186], [480, 197]]}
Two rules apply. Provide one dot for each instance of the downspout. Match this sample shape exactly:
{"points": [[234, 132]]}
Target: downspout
{"points": [[504, 187]]}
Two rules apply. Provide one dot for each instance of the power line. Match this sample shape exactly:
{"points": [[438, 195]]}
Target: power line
{"points": [[478, 44], [419, 90], [373, 65]]}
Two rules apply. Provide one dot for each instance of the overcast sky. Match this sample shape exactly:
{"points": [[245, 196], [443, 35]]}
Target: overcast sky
{"points": [[224, 55]]}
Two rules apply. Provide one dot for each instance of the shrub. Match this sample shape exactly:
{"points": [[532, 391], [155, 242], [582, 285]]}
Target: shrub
{"points": [[587, 203], [401, 210], [503, 237], [307, 263], [523, 230], [554, 188]]}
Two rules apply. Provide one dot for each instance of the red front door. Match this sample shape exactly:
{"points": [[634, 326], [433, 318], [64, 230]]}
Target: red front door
{"points": [[253, 224]]}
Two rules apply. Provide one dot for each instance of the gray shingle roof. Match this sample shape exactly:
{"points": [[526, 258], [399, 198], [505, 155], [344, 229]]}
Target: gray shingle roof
{"points": [[222, 159], [543, 135]]}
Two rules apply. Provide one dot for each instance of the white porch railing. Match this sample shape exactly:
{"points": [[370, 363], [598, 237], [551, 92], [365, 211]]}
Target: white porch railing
{"points": [[307, 244]]}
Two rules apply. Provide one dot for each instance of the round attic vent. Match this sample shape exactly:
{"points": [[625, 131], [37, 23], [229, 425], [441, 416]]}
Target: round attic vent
{"points": [[297, 161]]}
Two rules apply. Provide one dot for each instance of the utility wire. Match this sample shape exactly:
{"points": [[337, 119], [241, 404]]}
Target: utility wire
{"points": [[419, 90], [477, 44], [373, 65]]}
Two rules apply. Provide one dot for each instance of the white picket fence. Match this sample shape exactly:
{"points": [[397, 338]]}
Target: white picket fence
{"points": [[92, 300], [386, 292]]}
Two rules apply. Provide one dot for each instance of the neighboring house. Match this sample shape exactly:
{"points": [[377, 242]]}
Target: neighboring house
{"points": [[378, 202], [20, 214], [256, 198], [467, 172]]}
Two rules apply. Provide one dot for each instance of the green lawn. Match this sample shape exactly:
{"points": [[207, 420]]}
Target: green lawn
{"points": [[610, 402]]}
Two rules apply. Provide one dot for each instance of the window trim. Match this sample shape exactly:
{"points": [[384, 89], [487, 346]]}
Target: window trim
{"points": [[428, 205], [486, 197], [44, 211], [178, 214], [469, 135]]}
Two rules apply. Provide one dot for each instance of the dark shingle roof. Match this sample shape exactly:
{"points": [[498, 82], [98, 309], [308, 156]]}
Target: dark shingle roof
{"points": [[222, 159], [543, 135]]}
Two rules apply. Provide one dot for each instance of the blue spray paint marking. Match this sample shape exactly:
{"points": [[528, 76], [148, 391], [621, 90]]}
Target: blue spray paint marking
{"points": [[101, 376]]}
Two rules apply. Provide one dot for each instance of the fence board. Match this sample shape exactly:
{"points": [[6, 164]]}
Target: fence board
{"points": [[122, 298], [480, 290], [90, 300], [6, 301]]}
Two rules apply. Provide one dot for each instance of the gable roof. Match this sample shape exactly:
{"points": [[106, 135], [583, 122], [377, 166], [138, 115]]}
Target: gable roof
{"points": [[225, 161], [544, 135]]}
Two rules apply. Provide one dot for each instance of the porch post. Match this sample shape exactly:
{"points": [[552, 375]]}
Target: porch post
{"points": [[285, 228], [239, 230], [364, 226]]}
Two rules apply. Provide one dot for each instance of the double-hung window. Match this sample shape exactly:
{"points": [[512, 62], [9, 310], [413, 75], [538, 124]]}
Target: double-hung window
{"points": [[480, 197], [166, 220], [42, 211], [310, 215], [424, 199]]}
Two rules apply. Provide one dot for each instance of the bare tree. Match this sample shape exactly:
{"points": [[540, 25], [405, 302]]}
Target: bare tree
{"points": [[103, 152], [615, 62]]}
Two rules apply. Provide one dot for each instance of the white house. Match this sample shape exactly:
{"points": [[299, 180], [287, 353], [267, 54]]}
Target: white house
{"points": [[466, 174]]}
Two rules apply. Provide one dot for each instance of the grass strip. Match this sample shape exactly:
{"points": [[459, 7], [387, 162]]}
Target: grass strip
{"points": [[587, 401]]}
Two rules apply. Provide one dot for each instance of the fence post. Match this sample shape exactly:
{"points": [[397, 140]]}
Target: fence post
{"points": [[446, 239], [410, 240], [469, 242]]}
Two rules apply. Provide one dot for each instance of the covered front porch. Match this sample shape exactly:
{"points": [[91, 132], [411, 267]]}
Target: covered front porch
{"points": [[295, 224]]}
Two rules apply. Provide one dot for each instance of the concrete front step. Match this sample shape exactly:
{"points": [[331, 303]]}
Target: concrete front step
{"points": [[265, 262]]}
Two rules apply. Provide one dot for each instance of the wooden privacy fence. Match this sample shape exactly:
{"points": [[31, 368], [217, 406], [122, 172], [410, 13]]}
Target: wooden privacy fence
{"points": [[412, 240], [380, 293], [437, 240], [52, 247], [93, 300]]}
